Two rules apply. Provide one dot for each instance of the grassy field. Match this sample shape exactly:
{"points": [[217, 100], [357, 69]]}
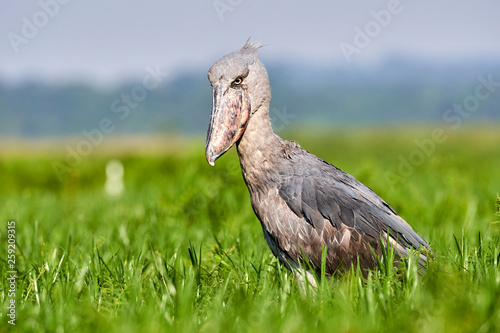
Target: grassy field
{"points": [[181, 250]]}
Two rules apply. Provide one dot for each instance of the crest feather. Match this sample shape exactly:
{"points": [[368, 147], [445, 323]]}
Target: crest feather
{"points": [[254, 46]]}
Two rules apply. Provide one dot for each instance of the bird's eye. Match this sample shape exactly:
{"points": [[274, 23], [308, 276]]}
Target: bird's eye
{"points": [[237, 81]]}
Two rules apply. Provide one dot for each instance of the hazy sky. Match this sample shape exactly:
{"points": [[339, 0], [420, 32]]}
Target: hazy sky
{"points": [[106, 40]]}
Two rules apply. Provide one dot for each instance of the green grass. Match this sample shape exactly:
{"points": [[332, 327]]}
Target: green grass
{"points": [[181, 249]]}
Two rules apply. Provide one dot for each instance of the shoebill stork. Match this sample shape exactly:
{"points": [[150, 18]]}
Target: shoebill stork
{"points": [[303, 203]]}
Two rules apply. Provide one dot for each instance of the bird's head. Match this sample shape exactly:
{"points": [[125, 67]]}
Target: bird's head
{"points": [[240, 87]]}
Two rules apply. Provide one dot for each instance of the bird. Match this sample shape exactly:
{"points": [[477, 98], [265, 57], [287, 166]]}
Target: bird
{"points": [[306, 206]]}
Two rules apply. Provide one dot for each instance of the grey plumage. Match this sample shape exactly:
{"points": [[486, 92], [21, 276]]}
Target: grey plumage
{"points": [[302, 202]]}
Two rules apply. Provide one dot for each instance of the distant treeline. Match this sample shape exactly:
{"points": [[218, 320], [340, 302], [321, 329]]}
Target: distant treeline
{"points": [[393, 92]]}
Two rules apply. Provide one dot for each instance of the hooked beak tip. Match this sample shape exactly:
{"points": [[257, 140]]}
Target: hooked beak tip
{"points": [[209, 155]]}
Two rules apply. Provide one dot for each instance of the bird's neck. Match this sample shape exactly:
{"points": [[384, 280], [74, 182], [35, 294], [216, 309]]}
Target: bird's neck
{"points": [[258, 147], [258, 139]]}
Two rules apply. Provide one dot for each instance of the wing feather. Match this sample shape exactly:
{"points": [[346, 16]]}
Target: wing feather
{"points": [[318, 191]]}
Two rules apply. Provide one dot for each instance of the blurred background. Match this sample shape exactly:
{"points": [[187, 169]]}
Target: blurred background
{"points": [[121, 224], [67, 65]]}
